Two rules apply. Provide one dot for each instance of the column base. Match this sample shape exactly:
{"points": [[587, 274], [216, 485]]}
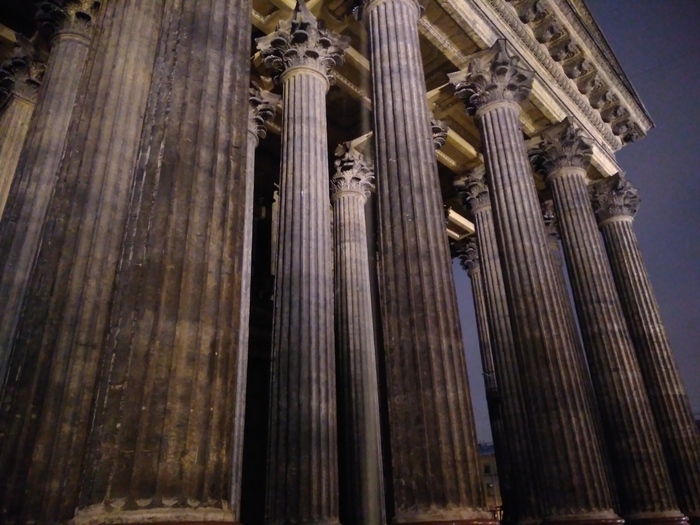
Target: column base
{"points": [[98, 515], [657, 520], [584, 520], [477, 521]]}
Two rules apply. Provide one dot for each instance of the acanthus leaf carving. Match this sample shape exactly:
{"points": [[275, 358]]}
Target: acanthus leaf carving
{"points": [[54, 16], [302, 40], [492, 75], [563, 145], [23, 71], [439, 130], [468, 253], [262, 108], [473, 191], [551, 224], [614, 196], [353, 172]]}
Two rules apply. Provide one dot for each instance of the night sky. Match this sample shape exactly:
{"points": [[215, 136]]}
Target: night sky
{"points": [[657, 42]]}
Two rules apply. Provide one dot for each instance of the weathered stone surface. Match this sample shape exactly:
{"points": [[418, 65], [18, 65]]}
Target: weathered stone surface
{"points": [[172, 378], [573, 484], [361, 480], [433, 443], [519, 489], [20, 78], [615, 203], [642, 480], [34, 181], [45, 412], [302, 482]]}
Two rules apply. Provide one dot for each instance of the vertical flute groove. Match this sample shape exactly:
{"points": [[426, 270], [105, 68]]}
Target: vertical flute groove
{"points": [[302, 468], [167, 404], [34, 181], [561, 424], [362, 488], [60, 332], [643, 485], [433, 444], [615, 202]]}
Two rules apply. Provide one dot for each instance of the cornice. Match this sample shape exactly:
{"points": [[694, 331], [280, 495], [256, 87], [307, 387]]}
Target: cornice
{"points": [[580, 18], [517, 28]]}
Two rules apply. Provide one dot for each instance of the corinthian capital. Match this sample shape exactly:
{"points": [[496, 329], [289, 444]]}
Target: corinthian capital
{"points": [[439, 129], [352, 172], [262, 108], [492, 75], [473, 190], [302, 40], [561, 146], [614, 197], [468, 254], [22, 73], [551, 224], [77, 16]]}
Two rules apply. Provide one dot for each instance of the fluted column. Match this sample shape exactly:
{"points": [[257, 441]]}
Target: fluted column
{"points": [[55, 355], [520, 500], [433, 442], [551, 228], [573, 484], [362, 483], [173, 372], [302, 483], [615, 202], [262, 109], [68, 26], [469, 260], [642, 481], [21, 77]]}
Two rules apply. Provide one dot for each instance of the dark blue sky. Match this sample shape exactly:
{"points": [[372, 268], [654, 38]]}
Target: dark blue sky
{"points": [[658, 45]]}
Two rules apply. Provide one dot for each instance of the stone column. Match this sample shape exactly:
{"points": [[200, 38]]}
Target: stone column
{"points": [[615, 202], [643, 485], [520, 500], [262, 109], [21, 76], [55, 355], [573, 484], [551, 228], [469, 260], [362, 483], [433, 443], [302, 483], [166, 440], [69, 30]]}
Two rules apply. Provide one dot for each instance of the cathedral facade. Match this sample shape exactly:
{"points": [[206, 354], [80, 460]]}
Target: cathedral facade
{"points": [[226, 289]]}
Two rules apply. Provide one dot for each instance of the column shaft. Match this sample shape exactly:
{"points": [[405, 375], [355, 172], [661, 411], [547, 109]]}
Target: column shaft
{"points": [[14, 123], [35, 178], [362, 483], [302, 477], [171, 390], [56, 353], [523, 506], [643, 485], [573, 481], [501, 440], [668, 398], [433, 441]]}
